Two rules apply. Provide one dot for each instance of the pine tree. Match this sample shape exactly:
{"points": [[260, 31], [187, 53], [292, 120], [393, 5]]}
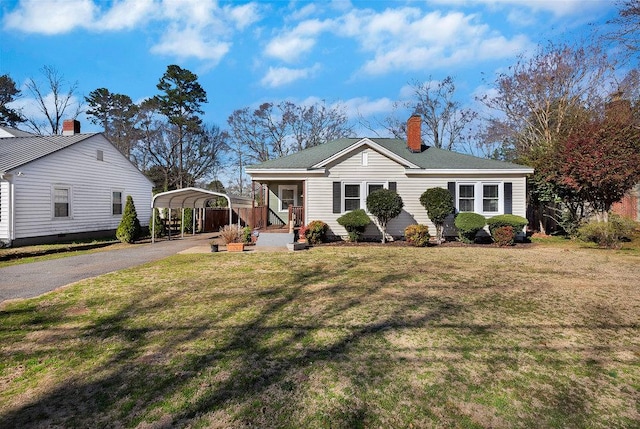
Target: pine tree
{"points": [[129, 229]]}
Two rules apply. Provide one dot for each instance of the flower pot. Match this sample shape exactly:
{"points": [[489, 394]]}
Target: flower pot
{"points": [[214, 248], [235, 247]]}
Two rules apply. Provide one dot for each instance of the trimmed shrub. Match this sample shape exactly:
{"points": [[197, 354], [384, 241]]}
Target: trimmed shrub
{"points": [[504, 236], [129, 229], [385, 205], [514, 221], [355, 222], [159, 225], [316, 232], [187, 220], [439, 204], [608, 234], [468, 225], [417, 235], [230, 233]]}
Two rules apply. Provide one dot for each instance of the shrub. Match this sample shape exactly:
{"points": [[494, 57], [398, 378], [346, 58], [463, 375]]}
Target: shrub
{"points": [[246, 235], [302, 232], [417, 235], [230, 233], [159, 225], [515, 222], [504, 235], [129, 229], [468, 225], [355, 222], [187, 220], [316, 232], [608, 234], [385, 205], [439, 205]]}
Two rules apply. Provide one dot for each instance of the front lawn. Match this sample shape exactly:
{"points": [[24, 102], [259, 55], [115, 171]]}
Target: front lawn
{"points": [[335, 337]]}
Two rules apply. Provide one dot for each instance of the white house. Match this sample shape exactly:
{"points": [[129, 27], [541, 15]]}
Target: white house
{"points": [[65, 187], [324, 182]]}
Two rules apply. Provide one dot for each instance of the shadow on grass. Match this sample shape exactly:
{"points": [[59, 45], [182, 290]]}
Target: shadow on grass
{"points": [[241, 371]]}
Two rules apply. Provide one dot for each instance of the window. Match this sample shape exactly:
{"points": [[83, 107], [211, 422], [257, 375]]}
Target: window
{"points": [[116, 203], [490, 198], [288, 196], [100, 155], [374, 187], [351, 197], [60, 202], [466, 198]]}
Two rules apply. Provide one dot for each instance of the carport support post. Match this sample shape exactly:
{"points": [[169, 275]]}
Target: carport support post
{"points": [[153, 225], [193, 217], [182, 224]]}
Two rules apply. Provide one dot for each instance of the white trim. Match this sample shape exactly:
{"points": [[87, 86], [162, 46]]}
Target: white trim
{"points": [[373, 145], [281, 188], [69, 190], [474, 171], [478, 196], [303, 171], [363, 194], [122, 202]]}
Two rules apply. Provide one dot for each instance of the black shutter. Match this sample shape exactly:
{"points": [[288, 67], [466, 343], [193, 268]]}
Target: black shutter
{"points": [[337, 198], [393, 186], [452, 190], [508, 198]]}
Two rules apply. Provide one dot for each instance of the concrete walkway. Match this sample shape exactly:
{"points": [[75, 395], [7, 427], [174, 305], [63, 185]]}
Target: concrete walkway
{"points": [[34, 279]]}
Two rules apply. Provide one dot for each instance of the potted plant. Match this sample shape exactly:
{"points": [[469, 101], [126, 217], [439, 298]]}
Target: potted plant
{"points": [[214, 246], [302, 234], [232, 236]]}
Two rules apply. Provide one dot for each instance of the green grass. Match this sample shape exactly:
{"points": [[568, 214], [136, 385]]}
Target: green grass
{"points": [[336, 337]]}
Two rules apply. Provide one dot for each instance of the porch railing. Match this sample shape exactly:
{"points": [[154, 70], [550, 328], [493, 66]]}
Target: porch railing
{"points": [[296, 214]]}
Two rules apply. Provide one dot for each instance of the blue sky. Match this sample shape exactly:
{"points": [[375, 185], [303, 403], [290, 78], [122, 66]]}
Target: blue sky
{"points": [[359, 54]]}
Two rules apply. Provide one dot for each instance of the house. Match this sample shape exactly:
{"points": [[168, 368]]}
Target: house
{"points": [[629, 205], [65, 187], [324, 182]]}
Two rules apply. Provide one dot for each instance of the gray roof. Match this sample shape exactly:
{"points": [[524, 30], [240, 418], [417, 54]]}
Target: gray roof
{"points": [[12, 132], [429, 158], [18, 151]]}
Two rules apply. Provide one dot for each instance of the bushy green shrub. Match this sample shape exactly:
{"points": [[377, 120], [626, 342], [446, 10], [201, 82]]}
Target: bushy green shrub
{"points": [[187, 220], [129, 229], [316, 232], [504, 235], [385, 205], [246, 235], [608, 234], [514, 221], [417, 235], [355, 222], [468, 225], [439, 204], [159, 225]]}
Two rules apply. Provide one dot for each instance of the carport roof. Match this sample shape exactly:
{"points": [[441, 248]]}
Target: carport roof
{"points": [[195, 198]]}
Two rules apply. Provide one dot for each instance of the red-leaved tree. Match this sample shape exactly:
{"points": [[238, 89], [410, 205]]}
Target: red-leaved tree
{"points": [[600, 161]]}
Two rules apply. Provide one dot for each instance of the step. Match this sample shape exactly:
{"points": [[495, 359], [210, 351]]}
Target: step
{"points": [[274, 239]]}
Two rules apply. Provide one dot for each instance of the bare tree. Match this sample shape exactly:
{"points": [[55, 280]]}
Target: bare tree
{"points": [[55, 100], [317, 124], [626, 30], [444, 118]]}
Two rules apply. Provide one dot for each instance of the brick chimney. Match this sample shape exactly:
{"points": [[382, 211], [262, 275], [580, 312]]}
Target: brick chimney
{"points": [[414, 135], [70, 127], [619, 108]]}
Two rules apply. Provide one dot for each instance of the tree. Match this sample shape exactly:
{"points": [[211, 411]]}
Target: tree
{"points": [[600, 161], [439, 205], [444, 118], [129, 229], [8, 93], [117, 114], [627, 25], [181, 103], [53, 100], [384, 205], [317, 124]]}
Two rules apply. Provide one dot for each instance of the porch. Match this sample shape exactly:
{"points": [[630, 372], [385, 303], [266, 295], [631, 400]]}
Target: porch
{"points": [[280, 206]]}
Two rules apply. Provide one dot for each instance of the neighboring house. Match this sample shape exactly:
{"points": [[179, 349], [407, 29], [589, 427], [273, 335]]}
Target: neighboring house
{"points": [[324, 182], [65, 187], [629, 205]]}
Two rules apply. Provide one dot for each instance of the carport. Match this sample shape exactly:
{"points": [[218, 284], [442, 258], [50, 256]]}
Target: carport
{"points": [[194, 198]]}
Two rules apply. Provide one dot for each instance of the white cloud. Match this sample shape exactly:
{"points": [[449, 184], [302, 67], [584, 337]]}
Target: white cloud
{"points": [[559, 8], [243, 15], [51, 17], [279, 76], [364, 107], [190, 42], [126, 14], [290, 45]]}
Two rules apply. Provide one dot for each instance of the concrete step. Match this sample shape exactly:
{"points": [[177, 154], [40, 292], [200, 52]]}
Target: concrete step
{"points": [[274, 239]]}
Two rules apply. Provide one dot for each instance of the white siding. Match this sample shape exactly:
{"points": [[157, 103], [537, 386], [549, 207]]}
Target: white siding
{"points": [[379, 168], [91, 183], [5, 208]]}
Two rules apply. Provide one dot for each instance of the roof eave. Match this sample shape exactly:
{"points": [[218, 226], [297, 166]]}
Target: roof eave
{"points": [[284, 171], [366, 141], [467, 171]]}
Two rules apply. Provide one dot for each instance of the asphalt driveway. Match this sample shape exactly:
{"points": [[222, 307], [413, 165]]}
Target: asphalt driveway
{"points": [[33, 279]]}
